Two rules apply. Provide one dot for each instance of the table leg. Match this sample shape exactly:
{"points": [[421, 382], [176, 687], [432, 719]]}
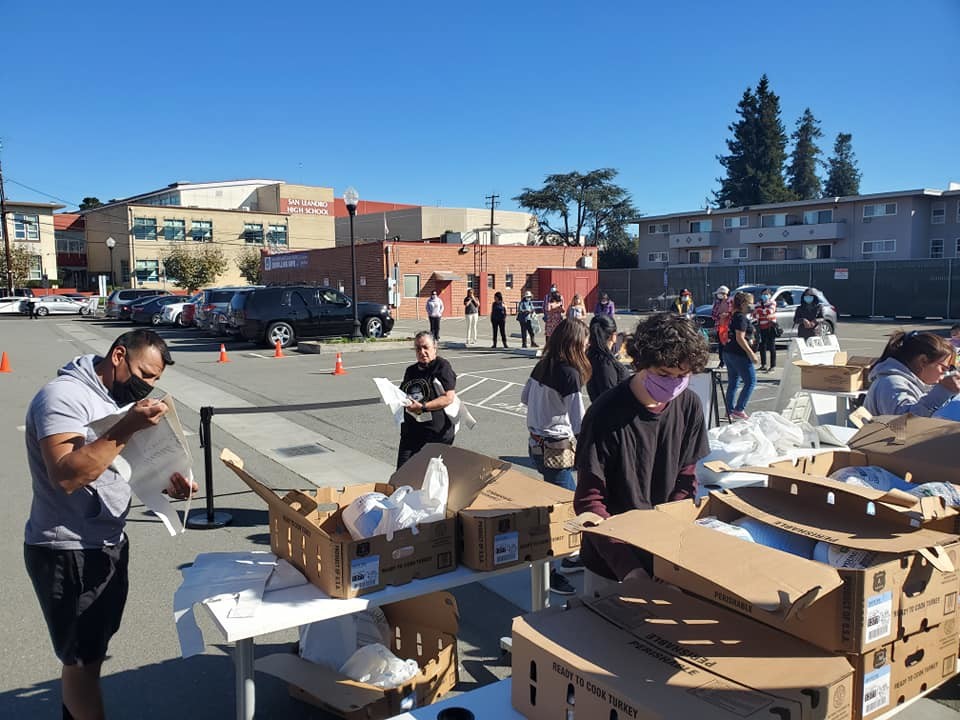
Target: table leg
{"points": [[539, 585], [843, 414], [246, 692]]}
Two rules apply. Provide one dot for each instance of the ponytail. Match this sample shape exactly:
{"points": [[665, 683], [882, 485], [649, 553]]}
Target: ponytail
{"points": [[905, 347]]}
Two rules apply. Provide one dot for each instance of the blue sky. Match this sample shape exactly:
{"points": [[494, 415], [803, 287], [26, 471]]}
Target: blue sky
{"points": [[444, 102]]}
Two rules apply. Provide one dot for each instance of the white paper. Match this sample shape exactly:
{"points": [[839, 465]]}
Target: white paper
{"points": [[457, 410], [393, 397], [150, 458]]}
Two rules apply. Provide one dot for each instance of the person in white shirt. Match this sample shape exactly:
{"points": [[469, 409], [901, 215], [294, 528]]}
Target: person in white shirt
{"points": [[434, 313]]}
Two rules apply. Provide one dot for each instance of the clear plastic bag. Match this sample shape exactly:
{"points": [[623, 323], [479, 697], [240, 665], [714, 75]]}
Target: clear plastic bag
{"points": [[376, 665], [759, 440]]}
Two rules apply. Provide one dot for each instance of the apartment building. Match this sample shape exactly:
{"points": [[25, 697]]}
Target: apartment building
{"points": [[68, 231], [234, 215], [29, 225], [905, 225]]}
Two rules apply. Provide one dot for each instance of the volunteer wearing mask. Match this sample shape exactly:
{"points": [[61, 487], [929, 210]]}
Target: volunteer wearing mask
{"points": [[740, 357], [424, 420], [525, 312], [808, 314], [640, 441], [683, 305], [721, 318], [910, 376], [766, 315], [606, 371]]}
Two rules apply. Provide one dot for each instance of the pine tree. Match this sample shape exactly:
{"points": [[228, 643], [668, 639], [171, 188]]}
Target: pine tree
{"points": [[771, 146], [843, 177], [802, 179], [738, 188]]}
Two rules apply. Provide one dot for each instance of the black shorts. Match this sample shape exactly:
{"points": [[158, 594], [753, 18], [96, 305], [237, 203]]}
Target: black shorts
{"points": [[82, 594]]}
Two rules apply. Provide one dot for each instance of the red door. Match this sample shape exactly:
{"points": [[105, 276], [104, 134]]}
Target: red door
{"points": [[445, 291]]}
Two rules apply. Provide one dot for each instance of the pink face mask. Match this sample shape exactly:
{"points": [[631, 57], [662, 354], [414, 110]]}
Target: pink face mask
{"points": [[955, 342], [664, 388]]}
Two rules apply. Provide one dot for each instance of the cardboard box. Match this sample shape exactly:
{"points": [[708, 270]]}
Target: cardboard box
{"points": [[891, 675], [506, 516], [842, 610], [424, 629], [664, 654], [306, 529], [844, 374]]}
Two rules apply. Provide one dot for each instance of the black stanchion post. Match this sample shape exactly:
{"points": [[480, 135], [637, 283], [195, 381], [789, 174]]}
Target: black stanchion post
{"points": [[211, 518]]}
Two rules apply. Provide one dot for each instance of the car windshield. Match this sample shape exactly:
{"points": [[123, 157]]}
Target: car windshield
{"points": [[220, 296]]}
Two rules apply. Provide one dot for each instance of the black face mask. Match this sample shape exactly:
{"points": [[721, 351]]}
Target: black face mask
{"points": [[131, 390]]}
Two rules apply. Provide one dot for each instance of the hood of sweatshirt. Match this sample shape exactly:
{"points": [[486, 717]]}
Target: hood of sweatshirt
{"points": [[894, 368], [82, 368]]}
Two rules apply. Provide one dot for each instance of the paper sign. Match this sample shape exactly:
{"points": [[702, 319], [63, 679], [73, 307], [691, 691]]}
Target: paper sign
{"points": [[150, 458], [841, 274]]}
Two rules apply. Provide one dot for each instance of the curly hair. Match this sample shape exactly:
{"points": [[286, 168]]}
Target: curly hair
{"points": [[668, 340]]}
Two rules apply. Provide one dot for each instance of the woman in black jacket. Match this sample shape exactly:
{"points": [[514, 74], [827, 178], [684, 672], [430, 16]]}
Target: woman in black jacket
{"points": [[808, 315], [498, 318], [607, 372]]}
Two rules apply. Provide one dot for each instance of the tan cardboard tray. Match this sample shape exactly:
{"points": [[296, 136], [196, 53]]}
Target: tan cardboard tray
{"points": [[913, 585], [843, 374], [652, 651], [424, 629]]}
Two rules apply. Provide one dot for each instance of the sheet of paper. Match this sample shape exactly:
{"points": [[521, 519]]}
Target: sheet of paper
{"points": [[457, 410], [150, 458], [393, 397]]}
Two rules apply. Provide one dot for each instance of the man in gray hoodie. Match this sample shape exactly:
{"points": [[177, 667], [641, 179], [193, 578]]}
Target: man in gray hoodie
{"points": [[75, 549]]}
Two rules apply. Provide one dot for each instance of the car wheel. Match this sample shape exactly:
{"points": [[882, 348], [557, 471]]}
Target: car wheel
{"points": [[827, 328], [654, 307], [373, 327], [42, 311], [280, 331], [156, 319]]}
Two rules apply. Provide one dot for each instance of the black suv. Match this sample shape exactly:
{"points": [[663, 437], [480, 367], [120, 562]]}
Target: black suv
{"points": [[266, 315]]}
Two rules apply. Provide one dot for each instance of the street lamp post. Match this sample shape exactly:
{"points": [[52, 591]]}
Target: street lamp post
{"points": [[350, 198], [111, 244]]}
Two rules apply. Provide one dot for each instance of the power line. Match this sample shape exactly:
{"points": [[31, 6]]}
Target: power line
{"points": [[41, 192]]}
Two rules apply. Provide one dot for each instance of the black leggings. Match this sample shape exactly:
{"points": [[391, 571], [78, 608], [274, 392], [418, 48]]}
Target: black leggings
{"points": [[500, 325], [435, 327], [768, 341]]}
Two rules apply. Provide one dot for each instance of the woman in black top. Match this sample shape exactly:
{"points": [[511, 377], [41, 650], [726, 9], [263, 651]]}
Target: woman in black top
{"points": [[607, 372], [740, 357], [498, 318], [431, 384], [808, 314]]}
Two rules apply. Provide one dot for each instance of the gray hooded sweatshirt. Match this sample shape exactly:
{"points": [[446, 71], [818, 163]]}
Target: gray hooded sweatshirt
{"points": [[896, 390], [93, 516]]}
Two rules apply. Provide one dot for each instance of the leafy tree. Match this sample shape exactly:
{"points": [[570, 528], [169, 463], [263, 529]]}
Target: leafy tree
{"points": [[757, 151], [193, 267], [20, 262], [568, 203], [843, 175], [89, 203], [802, 178], [618, 252], [249, 263]]}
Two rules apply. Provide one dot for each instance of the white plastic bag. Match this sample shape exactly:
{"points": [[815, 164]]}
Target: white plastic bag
{"points": [[332, 642], [948, 491], [872, 476], [759, 440], [376, 665], [726, 528], [843, 557]]}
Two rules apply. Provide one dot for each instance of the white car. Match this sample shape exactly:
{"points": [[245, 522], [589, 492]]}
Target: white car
{"points": [[12, 305], [172, 313], [57, 305]]}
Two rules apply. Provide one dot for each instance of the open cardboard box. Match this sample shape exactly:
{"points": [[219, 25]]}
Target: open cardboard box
{"points": [[505, 517], [306, 529], [913, 587], [651, 651], [424, 629], [843, 374]]}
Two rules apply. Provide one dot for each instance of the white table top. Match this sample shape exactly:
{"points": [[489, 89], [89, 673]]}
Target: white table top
{"points": [[292, 607], [491, 702], [835, 393]]}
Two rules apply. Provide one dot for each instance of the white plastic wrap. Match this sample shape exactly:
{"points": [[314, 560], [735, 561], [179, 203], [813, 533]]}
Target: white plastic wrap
{"points": [[843, 557], [948, 491], [759, 440], [726, 528], [332, 642], [872, 476], [376, 665], [770, 536]]}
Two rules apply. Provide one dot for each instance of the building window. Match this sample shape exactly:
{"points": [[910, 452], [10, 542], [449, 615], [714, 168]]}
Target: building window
{"points": [[655, 228], [277, 235], [124, 271], [777, 254], [817, 217], [508, 281], [735, 253], [253, 233], [491, 281], [938, 214], [36, 268], [936, 248], [879, 210], [873, 247], [144, 228], [202, 230], [148, 270], [473, 282], [693, 257], [697, 226], [775, 220], [817, 252], [731, 223], [411, 286], [26, 228], [174, 229], [956, 249], [658, 257]]}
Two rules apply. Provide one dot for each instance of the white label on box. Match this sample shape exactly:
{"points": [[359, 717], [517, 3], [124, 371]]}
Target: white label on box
{"points": [[506, 548], [879, 617], [365, 573], [876, 690]]}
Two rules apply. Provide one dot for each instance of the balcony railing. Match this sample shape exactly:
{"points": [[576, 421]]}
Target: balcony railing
{"points": [[709, 238], [793, 233]]}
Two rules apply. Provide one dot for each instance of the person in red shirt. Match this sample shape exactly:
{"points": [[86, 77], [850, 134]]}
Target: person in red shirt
{"points": [[765, 313], [721, 318]]}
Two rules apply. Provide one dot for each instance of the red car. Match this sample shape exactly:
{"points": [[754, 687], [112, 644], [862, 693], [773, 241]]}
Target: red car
{"points": [[188, 315]]}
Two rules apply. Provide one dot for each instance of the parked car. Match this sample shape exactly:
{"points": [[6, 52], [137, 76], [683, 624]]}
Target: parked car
{"points": [[150, 311], [211, 301], [787, 298], [189, 314], [56, 305], [172, 313], [119, 298], [13, 305], [286, 313]]}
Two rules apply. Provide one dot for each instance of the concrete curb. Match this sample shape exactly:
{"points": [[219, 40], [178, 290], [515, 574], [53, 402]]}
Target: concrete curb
{"points": [[316, 347]]}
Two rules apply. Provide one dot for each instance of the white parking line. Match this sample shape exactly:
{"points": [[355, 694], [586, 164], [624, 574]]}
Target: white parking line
{"points": [[498, 392], [461, 391], [497, 410]]}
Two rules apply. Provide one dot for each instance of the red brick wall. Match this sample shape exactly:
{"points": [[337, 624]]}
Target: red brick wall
{"points": [[375, 264]]}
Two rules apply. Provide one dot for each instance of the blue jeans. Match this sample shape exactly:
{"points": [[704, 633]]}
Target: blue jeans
{"points": [[562, 477], [739, 368]]}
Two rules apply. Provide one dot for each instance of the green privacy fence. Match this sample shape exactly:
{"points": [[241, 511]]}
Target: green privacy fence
{"points": [[890, 288]]}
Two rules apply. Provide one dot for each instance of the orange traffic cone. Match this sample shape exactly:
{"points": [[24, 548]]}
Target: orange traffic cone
{"points": [[338, 369], [4, 364], [223, 355], [278, 350]]}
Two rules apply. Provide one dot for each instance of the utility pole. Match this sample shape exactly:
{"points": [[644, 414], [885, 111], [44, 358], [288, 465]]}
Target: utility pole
{"points": [[494, 200], [6, 235]]}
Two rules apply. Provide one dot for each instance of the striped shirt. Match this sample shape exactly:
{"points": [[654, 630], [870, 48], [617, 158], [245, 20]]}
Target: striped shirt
{"points": [[765, 313]]}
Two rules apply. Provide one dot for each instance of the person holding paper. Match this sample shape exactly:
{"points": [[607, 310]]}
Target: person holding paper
{"points": [[75, 549], [430, 385]]}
